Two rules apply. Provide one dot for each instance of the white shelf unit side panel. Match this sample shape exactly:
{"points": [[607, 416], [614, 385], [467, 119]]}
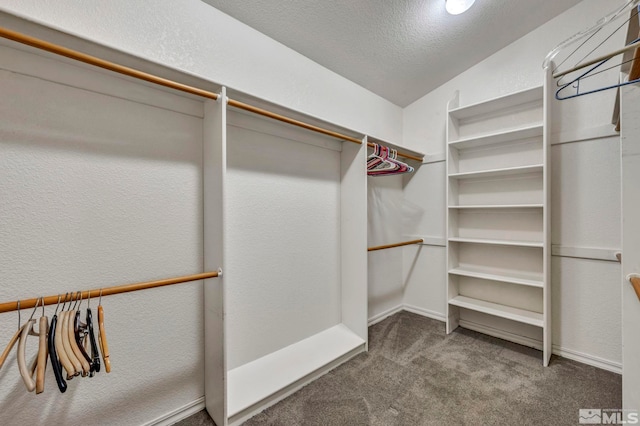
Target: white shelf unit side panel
{"points": [[547, 338], [214, 166], [353, 234], [452, 312]]}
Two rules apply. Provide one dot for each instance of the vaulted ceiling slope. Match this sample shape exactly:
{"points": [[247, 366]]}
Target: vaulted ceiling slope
{"points": [[400, 50]]}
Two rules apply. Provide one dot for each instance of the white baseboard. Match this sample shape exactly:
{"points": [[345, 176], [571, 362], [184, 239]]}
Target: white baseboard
{"points": [[425, 312], [581, 357], [604, 364], [179, 413], [383, 315]]}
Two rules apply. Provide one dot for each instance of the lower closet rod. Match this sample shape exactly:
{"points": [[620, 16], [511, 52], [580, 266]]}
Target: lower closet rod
{"points": [[404, 243], [51, 300]]}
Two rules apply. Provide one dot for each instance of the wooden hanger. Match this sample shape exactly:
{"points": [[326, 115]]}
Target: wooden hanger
{"points": [[104, 346], [43, 351], [77, 353], [13, 340], [59, 344], [25, 372]]}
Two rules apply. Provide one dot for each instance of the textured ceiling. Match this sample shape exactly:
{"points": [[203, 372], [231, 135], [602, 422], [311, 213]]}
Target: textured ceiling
{"points": [[399, 49]]}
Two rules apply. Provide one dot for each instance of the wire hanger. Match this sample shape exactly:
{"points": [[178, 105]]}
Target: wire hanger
{"points": [[594, 64]]}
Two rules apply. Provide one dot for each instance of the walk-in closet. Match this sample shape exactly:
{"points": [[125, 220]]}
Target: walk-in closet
{"points": [[267, 213]]}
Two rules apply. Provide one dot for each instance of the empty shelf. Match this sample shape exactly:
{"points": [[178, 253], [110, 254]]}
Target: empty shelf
{"points": [[497, 242], [514, 314], [500, 137], [499, 172], [251, 383], [498, 206], [497, 104], [513, 278]]}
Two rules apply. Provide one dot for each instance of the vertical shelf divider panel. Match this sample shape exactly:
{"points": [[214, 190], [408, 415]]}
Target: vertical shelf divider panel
{"points": [[498, 216], [214, 170], [549, 86], [353, 234]]}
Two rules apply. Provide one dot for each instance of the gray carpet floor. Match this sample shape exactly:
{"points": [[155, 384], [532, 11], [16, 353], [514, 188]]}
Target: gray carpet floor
{"points": [[414, 374]]}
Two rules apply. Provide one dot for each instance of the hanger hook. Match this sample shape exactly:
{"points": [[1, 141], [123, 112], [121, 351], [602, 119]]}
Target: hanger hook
{"points": [[89, 300], [19, 320], [58, 305], [42, 305], [35, 309], [64, 302], [100, 300]]}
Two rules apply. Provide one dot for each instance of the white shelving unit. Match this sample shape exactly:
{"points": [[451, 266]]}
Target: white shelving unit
{"points": [[497, 221]]}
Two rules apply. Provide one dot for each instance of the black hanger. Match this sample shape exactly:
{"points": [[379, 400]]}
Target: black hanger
{"points": [[95, 355], [53, 355]]}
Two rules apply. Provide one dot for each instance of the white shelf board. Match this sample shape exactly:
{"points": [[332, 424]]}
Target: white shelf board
{"points": [[497, 104], [253, 382], [499, 172], [498, 206], [497, 242], [526, 132], [514, 278], [508, 312]]}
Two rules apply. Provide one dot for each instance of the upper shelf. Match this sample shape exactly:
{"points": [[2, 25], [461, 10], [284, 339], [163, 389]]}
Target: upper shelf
{"points": [[497, 104], [525, 132]]}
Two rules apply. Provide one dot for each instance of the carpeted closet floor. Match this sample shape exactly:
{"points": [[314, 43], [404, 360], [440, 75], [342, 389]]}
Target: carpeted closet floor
{"points": [[414, 374]]}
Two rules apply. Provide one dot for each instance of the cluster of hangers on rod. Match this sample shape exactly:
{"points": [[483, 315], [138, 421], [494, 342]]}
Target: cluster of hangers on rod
{"points": [[67, 342], [589, 68], [384, 161]]}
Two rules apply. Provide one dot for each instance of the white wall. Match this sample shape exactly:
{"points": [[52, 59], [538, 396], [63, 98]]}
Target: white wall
{"points": [[193, 36], [585, 188], [97, 190], [384, 226]]}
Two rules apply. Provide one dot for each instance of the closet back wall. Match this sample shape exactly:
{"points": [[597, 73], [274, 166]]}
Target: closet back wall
{"points": [[98, 189]]}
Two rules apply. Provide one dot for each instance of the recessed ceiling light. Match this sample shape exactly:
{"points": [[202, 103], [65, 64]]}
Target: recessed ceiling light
{"points": [[456, 7]]}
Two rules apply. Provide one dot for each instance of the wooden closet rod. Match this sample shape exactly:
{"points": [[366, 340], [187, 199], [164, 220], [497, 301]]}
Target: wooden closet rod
{"points": [[121, 69], [404, 243], [634, 279], [52, 300]]}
